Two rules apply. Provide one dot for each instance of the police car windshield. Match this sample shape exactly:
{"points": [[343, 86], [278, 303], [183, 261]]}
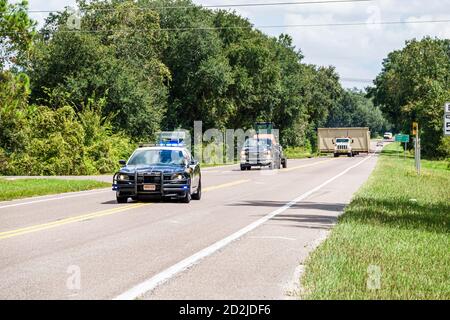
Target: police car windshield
{"points": [[253, 143], [157, 157], [342, 140]]}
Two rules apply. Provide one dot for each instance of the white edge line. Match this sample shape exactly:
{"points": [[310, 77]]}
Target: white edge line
{"points": [[70, 195], [160, 278]]}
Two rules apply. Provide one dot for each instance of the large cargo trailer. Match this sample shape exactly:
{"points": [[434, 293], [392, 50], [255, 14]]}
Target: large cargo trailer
{"points": [[349, 141]]}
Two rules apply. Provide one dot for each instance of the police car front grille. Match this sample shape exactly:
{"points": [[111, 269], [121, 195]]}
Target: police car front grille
{"points": [[152, 179]]}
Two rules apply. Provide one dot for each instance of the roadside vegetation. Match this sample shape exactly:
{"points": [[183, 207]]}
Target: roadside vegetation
{"points": [[397, 224], [298, 153], [76, 101], [22, 188]]}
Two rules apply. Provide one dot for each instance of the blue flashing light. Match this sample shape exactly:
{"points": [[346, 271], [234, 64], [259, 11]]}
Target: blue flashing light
{"points": [[171, 144]]}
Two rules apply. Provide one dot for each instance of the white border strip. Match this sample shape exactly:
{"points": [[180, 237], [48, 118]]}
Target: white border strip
{"points": [[170, 272], [63, 196]]}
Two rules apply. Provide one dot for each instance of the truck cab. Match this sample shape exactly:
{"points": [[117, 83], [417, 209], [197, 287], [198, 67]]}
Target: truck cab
{"points": [[343, 146]]}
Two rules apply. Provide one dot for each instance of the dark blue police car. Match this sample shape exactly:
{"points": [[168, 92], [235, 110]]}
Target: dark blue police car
{"points": [[162, 171]]}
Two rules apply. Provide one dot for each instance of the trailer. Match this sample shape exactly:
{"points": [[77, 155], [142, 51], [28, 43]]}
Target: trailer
{"points": [[348, 141]]}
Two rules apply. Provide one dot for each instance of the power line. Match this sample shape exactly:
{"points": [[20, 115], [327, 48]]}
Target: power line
{"points": [[356, 80], [343, 24], [217, 6]]}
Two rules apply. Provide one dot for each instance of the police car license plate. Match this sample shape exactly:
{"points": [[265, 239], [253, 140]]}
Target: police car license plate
{"points": [[149, 187]]}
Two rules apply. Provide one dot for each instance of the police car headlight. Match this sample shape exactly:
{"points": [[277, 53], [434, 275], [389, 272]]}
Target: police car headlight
{"points": [[178, 177], [123, 177]]}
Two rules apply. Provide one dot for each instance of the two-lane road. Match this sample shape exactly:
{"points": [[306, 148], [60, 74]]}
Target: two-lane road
{"points": [[244, 239]]}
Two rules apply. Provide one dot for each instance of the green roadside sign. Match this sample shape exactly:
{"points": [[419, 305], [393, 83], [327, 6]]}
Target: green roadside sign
{"points": [[402, 138]]}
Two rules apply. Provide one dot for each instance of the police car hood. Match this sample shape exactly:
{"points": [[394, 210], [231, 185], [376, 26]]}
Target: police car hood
{"points": [[154, 168]]}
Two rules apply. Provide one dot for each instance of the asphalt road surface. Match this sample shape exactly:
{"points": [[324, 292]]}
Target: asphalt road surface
{"points": [[246, 239]]}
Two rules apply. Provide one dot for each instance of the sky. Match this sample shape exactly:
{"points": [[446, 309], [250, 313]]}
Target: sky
{"points": [[357, 52]]}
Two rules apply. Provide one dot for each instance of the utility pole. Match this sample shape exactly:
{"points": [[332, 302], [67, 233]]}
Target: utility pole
{"points": [[415, 131]]}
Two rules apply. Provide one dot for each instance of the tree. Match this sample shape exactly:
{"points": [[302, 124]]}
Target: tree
{"points": [[320, 93], [413, 86], [356, 110], [16, 32], [114, 56]]}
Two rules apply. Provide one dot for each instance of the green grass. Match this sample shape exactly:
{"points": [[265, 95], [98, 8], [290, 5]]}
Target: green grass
{"points": [[399, 223], [297, 153], [21, 188]]}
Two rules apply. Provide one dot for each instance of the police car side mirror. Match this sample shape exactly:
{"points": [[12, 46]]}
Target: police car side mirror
{"points": [[123, 162]]}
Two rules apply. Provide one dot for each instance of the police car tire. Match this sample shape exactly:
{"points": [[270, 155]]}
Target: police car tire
{"points": [[198, 194], [187, 198], [122, 199]]}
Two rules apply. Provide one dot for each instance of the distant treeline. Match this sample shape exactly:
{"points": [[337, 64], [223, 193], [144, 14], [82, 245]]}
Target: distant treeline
{"points": [[76, 95]]}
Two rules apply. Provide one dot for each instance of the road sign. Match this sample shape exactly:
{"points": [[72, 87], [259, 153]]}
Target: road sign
{"points": [[447, 119], [447, 124], [415, 128], [402, 138]]}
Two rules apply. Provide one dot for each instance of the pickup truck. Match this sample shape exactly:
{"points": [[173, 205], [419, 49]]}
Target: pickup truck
{"points": [[263, 150]]}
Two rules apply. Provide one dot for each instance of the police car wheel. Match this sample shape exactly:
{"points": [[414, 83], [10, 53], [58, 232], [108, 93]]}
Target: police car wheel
{"points": [[198, 194], [121, 199], [187, 198]]}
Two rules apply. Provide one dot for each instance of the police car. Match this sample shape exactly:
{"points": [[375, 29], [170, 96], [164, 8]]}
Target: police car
{"points": [[166, 170]]}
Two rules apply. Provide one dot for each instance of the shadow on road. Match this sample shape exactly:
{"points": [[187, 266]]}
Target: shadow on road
{"points": [[335, 207], [295, 216], [145, 200]]}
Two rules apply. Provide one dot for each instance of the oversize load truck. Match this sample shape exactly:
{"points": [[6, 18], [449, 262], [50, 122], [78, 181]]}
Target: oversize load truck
{"points": [[344, 141]]}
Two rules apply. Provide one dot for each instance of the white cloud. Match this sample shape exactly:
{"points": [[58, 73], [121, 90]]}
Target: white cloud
{"points": [[356, 51]]}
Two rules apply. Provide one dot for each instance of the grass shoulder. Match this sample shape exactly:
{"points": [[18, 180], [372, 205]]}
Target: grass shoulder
{"points": [[11, 189], [298, 153], [394, 234]]}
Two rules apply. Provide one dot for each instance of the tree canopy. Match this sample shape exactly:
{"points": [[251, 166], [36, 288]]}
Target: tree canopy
{"points": [[131, 68], [413, 86]]}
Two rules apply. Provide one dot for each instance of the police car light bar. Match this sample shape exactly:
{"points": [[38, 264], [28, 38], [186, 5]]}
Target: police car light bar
{"points": [[171, 144], [171, 138]]}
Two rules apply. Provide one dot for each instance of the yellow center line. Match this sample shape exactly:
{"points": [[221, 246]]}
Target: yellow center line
{"points": [[103, 213], [44, 226]]}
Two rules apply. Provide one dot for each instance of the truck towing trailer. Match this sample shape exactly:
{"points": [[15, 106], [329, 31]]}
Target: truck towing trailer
{"points": [[344, 141]]}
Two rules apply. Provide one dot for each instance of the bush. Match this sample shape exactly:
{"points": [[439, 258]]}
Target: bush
{"points": [[62, 142]]}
